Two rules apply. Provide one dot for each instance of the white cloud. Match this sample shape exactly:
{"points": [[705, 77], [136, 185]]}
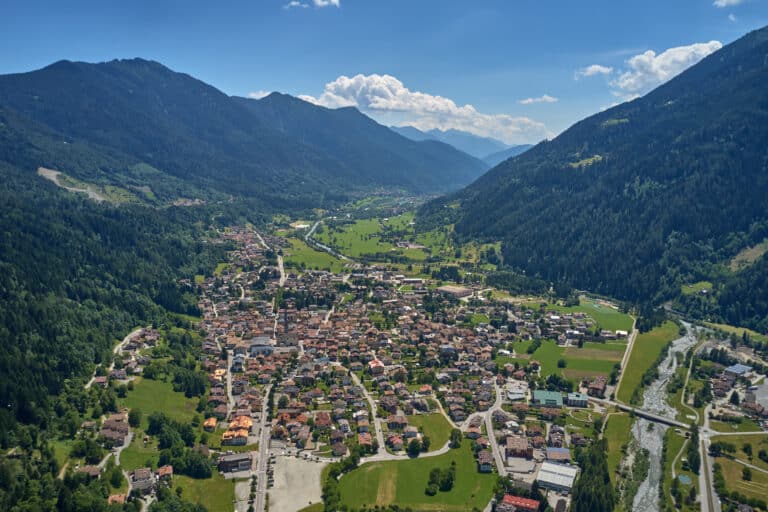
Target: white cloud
{"points": [[541, 99], [326, 3], [295, 3], [594, 69], [382, 95], [726, 3], [257, 95], [732, 17], [648, 70]]}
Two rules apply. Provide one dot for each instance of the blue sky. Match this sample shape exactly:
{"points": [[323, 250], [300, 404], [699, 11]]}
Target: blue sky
{"points": [[466, 65]]}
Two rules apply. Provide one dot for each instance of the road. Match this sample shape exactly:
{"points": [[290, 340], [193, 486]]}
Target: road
{"points": [[625, 358], [230, 396], [376, 421], [262, 456], [642, 413], [497, 456], [709, 501], [118, 348], [281, 268]]}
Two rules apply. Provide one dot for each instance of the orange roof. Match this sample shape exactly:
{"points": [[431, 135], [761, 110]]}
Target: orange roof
{"points": [[210, 422]]}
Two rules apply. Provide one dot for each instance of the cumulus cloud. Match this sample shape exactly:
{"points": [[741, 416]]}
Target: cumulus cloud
{"points": [[326, 3], [648, 70], [257, 95], [594, 69], [295, 3], [541, 99], [726, 3], [380, 95]]}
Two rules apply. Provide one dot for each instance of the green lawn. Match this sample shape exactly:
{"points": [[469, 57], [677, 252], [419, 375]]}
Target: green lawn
{"points": [[617, 434], [317, 507], [215, 493], [156, 395], [591, 360], [746, 425], [605, 316], [674, 443], [138, 455], [690, 289], [403, 483], [434, 426], [300, 253], [646, 349]]}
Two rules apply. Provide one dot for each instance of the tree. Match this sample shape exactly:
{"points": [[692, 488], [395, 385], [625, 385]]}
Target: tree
{"points": [[746, 474], [134, 418], [455, 438], [735, 398], [425, 443], [562, 363], [414, 447]]}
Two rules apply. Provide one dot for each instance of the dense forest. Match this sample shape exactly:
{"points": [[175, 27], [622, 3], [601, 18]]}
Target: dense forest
{"points": [[640, 199]]}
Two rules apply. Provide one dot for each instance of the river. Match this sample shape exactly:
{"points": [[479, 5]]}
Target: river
{"points": [[654, 400]]}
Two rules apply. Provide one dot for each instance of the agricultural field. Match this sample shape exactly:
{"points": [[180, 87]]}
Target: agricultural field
{"points": [[617, 433], [732, 473], [301, 255], [646, 349], [690, 289], [403, 483], [434, 426]]}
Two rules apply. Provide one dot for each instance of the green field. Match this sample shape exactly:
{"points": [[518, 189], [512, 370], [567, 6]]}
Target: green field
{"points": [[299, 253], [605, 316], [733, 481], [403, 483], [674, 443], [738, 331], [756, 441], [646, 349], [355, 239], [745, 426], [434, 426], [155, 395], [617, 434], [214, 493], [690, 289], [591, 360]]}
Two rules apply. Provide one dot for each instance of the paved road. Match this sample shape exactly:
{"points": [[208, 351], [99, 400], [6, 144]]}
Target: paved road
{"points": [[642, 413], [263, 455], [497, 455], [376, 421], [118, 348]]}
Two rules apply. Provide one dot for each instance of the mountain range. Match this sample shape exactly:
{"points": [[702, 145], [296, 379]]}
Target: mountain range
{"points": [[642, 198], [136, 122]]}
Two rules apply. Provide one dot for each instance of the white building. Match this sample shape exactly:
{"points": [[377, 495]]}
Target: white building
{"points": [[557, 477]]}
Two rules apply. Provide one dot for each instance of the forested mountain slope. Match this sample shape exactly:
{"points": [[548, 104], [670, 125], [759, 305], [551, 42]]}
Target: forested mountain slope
{"points": [[641, 198], [147, 113]]}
